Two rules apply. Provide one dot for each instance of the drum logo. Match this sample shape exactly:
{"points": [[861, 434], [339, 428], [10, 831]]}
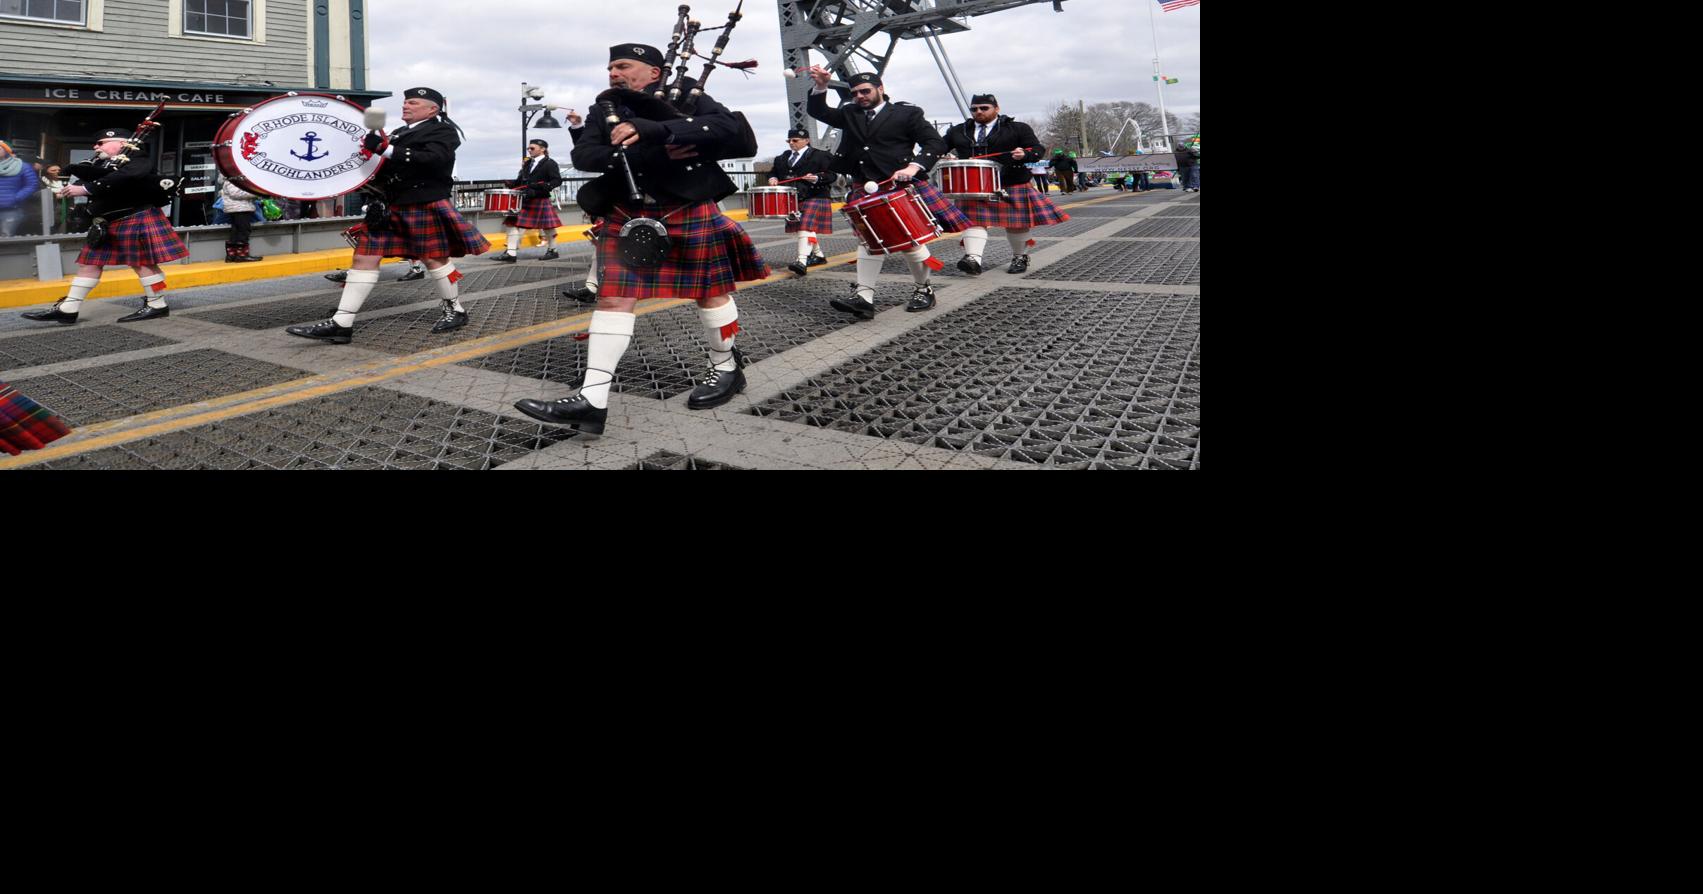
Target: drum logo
{"points": [[310, 138], [318, 147], [250, 145]]}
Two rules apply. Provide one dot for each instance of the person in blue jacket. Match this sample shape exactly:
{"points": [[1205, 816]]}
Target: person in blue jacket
{"points": [[18, 182]]}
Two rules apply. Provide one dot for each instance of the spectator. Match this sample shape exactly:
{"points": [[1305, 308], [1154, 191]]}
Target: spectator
{"points": [[53, 180], [1188, 164], [1064, 168], [18, 182], [239, 205]]}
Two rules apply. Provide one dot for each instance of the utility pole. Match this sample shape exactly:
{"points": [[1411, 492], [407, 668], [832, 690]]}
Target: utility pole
{"points": [[1082, 119]]}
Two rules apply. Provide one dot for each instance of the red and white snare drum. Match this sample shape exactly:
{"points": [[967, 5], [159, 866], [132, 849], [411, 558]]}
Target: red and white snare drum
{"points": [[504, 201], [891, 221], [302, 146], [772, 202], [972, 179]]}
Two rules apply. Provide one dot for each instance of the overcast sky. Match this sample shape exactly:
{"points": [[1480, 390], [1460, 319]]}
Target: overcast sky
{"points": [[477, 55]]}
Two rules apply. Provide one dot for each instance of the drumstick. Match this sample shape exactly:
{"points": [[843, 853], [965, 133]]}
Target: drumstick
{"points": [[997, 154], [796, 179]]}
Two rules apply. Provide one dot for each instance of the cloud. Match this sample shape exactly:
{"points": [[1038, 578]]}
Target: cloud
{"points": [[1031, 57]]}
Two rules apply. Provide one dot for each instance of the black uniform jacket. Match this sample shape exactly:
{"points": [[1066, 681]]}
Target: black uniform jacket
{"points": [[1007, 134], [132, 187], [711, 129], [814, 161], [421, 166], [545, 176], [876, 150]]}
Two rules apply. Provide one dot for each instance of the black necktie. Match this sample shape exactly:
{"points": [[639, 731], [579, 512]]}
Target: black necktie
{"points": [[870, 115]]}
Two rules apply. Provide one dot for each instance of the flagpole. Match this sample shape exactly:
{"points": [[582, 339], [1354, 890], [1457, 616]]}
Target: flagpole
{"points": [[1158, 76]]}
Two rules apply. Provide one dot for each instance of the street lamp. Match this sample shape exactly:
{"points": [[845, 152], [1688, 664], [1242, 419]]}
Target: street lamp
{"points": [[528, 110]]}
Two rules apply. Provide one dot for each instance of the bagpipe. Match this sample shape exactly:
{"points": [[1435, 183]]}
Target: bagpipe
{"points": [[154, 195]]}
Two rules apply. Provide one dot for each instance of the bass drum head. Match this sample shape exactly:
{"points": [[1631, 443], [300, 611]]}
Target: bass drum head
{"points": [[303, 146]]}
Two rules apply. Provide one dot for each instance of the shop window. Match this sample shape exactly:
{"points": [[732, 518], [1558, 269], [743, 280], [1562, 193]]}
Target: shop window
{"points": [[69, 12], [219, 18]]}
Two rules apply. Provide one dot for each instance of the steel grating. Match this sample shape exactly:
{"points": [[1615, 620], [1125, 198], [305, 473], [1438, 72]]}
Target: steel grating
{"points": [[667, 461], [1081, 380], [371, 428], [1186, 211], [104, 393], [60, 344], [783, 254], [1191, 200], [1163, 228], [318, 306], [949, 250], [667, 355], [1110, 209], [1163, 263], [410, 333]]}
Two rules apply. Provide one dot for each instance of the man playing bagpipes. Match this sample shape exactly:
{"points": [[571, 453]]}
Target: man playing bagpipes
{"points": [[988, 132], [538, 178]]}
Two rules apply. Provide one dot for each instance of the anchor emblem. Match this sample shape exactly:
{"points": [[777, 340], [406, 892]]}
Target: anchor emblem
{"points": [[310, 139]]}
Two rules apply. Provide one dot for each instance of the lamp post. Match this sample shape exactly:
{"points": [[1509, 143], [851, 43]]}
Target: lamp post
{"points": [[529, 109]]}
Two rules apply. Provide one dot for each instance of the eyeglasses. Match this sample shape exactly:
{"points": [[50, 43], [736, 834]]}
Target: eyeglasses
{"points": [[868, 91], [982, 108]]}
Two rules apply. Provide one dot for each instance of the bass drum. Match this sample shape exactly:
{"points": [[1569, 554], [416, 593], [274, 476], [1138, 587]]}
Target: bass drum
{"points": [[302, 146]]}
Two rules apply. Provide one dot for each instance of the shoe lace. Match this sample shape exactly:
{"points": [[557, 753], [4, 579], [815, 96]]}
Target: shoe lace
{"points": [[448, 312]]}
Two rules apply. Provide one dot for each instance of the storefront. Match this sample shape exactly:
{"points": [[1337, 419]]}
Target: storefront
{"points": [[57, 120]]}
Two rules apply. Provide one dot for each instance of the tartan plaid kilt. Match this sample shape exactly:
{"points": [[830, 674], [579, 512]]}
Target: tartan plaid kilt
{"points": [[951, 219], [25, 424], [430, 230], [818, 216], [535, 214], [1027, 209], [144, 239], [708, 255]]}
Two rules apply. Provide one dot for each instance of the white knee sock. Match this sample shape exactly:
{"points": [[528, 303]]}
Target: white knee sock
{"points": [[515, 235], [805, 240], [721, 324], [549, 237], [448, 279], [80, 288], [1019, 240], [154, 289], [921, 268], [975, 242], [868, 272], [356, 287], [611, 332]]}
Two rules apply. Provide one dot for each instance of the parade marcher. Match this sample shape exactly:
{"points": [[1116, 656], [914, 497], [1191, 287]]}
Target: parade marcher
{"points": [[594, 274], [414, 218], [135, 234], [1024, 208], [815, 201], [885, 140], [671, 157], [538, 179], [1064, 171], [25, 424], [239, 206]]}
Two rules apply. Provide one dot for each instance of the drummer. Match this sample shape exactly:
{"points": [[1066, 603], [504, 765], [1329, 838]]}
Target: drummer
{"points": [[989, 132], [815, 205], [420, 221], [885, 142], [538, 178]]}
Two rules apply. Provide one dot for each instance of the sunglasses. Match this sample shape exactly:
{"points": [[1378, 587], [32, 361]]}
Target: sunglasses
{"points": [[983, 108], [867, 91]]}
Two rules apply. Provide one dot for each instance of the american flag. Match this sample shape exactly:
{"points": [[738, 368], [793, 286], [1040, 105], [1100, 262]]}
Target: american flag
{"points": [[1169, 5]]}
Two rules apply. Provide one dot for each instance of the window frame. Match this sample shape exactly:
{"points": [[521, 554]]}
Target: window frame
{"points": [[183, 23], [37, 20]]}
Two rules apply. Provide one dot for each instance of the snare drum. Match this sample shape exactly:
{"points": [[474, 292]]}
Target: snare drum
{"points": [[973, 179], [892, 221], [774, 202], [504, 201]]}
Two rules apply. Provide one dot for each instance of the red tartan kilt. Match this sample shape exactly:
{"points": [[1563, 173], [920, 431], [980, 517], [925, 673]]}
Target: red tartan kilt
{"points": [[25, 424], [145, 239], [708, 255], [431, 230], [1027, 209], [535, 214], [951, 219], [818, 217]]}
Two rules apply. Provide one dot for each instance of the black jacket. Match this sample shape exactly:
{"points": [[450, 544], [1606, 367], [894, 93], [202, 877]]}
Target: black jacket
{"points": [[421, 166], [814, 161], [546, 175], [1008, 134], [711, 129], [1062, 164], [1186, 156], [132, 187], [876, 150]]}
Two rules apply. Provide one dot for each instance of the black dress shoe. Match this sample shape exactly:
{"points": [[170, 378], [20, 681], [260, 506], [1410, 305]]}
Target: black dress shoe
{"points": [[798, 268], [339, 276], [719, 386], [854, 305], [921, 299], [414, 275], [145, 313], [581, 293], [1019, 264], [551, 255], [575, 411], [51, 315], [816, 260], [506, 258], [450, 321], [325, 331], [972, 266]]}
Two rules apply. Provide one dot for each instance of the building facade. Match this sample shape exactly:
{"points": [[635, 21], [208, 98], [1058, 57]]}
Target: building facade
{"points": [[72, 68]]}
